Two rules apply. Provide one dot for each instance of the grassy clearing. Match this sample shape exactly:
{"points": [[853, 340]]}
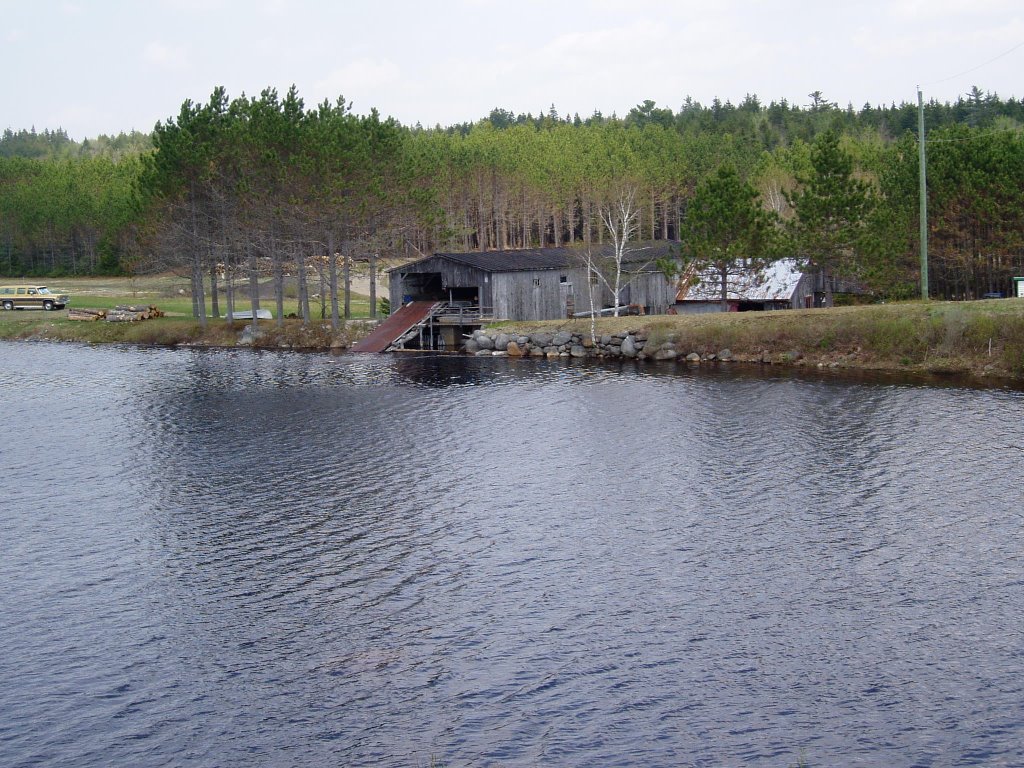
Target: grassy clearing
{"points": [[979, 337], [168, 292]]}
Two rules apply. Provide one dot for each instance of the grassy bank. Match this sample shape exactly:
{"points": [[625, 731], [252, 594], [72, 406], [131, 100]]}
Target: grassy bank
{"points": [[172, 331], [984, 338], [979, 338]]}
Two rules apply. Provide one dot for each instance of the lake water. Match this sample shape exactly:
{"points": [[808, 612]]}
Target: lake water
{"points": [[240, 558]]}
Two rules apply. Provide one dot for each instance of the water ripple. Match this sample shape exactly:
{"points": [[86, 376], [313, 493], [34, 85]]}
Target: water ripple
{"points": [[281, 559]]}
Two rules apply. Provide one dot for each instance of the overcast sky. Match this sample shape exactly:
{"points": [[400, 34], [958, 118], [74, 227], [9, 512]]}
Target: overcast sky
{"points": [[104, 66]]}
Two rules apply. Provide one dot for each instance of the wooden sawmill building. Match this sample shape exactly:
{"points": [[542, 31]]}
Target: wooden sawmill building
{"points": [[534, 284]]}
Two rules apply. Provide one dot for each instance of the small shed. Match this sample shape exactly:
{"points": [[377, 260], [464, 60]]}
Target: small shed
{"points": [[534, 284]]}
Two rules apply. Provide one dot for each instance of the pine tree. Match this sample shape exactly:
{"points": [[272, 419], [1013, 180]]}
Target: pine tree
{"points": [[726, 230], [832, 207]]}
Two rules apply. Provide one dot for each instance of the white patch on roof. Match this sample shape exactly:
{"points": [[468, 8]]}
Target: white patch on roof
{"points": [[775, 282]]}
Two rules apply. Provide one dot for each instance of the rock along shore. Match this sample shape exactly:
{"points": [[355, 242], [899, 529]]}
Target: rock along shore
{"points": [[631, 344]]}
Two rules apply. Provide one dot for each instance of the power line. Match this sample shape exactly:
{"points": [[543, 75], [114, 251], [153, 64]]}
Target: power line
{"points": [[975, 69]]}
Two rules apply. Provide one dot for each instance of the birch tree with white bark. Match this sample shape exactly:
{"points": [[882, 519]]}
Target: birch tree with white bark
{"points": [[621, 219]]}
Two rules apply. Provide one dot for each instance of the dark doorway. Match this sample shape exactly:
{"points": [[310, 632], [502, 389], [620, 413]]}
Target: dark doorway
{"points": [[467, 296], [422, 286]]}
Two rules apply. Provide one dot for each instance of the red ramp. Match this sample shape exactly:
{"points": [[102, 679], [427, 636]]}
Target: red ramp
{"points": [[394, 326]]}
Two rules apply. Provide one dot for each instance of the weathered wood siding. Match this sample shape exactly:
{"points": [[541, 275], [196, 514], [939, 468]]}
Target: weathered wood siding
{"points": [[541, 295], [804, 290], [530, 294], [536, 295], [816, 281], [651, 290], [698, 307]]}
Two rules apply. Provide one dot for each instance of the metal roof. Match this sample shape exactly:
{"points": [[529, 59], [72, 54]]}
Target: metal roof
{"points": [[534, 259], [775, 282]]}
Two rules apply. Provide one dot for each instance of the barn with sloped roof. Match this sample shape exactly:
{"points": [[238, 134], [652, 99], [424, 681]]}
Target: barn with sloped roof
{"points": [[535, 284]]}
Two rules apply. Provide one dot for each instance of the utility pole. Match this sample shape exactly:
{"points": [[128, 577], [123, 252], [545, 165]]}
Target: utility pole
{"points": [[924, 196]]}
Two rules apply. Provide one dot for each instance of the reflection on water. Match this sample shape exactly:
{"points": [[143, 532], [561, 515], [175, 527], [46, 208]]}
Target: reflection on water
{"points": [[277, 559]]}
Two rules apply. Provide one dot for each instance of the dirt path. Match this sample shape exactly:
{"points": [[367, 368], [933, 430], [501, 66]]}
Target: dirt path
{"points": [[361, 284]]}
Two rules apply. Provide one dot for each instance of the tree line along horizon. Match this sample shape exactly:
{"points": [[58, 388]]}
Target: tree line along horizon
{"points": [[236, 182]]}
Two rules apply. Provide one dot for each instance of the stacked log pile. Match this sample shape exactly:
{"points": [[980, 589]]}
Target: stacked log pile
{"points": [[86, 315], [130, 313], [122, 313]]}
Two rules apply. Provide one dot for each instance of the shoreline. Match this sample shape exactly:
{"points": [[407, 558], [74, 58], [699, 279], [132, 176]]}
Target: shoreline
{"points": [[981, 340]]}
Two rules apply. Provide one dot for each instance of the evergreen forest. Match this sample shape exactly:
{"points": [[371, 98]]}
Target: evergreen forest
{"points": [[260, 182]]}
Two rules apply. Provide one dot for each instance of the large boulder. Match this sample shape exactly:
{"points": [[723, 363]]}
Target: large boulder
{"points": [[501, 341], [577, 350], [485, 342], [542, 340], [629, 347], [514, 350], [562, 337]]}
